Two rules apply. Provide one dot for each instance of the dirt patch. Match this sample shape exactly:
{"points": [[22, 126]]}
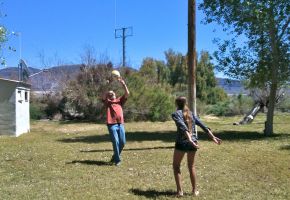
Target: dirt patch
{"points": [[76, 128], [210, 117]]}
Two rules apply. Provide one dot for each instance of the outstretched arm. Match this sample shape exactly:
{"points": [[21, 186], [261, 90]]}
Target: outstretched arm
{"points": [[207, 130], [214, 138]]}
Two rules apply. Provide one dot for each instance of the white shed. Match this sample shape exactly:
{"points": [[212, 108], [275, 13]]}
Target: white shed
{"points": [[14, 107]]}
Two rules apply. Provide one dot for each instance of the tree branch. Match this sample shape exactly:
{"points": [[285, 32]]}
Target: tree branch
{"points": [[284, 28]]}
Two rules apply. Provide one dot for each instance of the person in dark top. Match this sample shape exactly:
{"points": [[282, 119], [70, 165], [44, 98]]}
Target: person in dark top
{"points": [[186, 142], [115, 120]]}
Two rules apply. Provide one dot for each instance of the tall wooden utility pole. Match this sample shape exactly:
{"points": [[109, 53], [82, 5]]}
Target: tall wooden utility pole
{"points": [[191, 56]]}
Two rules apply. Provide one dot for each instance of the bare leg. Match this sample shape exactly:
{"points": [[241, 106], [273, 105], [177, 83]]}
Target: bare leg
{"points": [[177, 158], [191, 168]]}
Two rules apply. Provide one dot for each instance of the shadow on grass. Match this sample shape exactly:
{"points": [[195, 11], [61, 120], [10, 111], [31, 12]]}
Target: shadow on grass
{"points": [[152, 193], [87, 139], [90, 162], [285, 147], [77, 121], [125, 149], [169, 136], [240, 135]]}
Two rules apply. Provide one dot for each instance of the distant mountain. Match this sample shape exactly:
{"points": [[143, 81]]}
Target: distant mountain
{"points": [[231, 87], [55, 76], [12, 72], [46, 80]]}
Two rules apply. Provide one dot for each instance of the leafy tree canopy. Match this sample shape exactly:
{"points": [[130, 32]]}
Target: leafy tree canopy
{"points": [[263, 57], [262, 25]]}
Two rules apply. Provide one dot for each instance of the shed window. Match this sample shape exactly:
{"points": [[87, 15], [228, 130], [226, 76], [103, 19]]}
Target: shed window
{"points": [[26, 96], [19, 94]]}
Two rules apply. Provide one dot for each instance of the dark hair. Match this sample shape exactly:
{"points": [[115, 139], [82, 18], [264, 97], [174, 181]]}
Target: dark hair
{"points": [[181, 104]]}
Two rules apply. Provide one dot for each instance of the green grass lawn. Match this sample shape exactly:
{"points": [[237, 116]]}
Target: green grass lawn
{"points": [[60, 160]]}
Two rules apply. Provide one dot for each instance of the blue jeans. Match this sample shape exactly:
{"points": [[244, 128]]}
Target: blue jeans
{"points": [[118, 138]]}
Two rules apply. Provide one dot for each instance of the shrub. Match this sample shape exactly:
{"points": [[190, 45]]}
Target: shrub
{"points": [[36, 111], [216, 94], [240, 104], [147, 102], [219, 109], [201, 107], [161, 105], [284, 105], [235, 105]]}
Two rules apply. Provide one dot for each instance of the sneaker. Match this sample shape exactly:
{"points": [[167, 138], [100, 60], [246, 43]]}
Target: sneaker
{"points": [[118, 163], [179, 194], [196, 193]]}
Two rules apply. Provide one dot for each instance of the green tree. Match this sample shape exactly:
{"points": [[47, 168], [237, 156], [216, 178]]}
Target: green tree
{"points": [[177, 66], [147, 101], [4, 34], [263, 58], [3, 39], [148, 69], [162, 72], [82, 95], [206, 82], [154, 70]]}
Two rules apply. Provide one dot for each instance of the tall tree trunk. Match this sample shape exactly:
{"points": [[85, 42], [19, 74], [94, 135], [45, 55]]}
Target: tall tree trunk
{"points": [[271, 107], [273, 76]]}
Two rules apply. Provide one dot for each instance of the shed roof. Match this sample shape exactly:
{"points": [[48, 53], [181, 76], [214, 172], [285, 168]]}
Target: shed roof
{"points": [[15, 82]]}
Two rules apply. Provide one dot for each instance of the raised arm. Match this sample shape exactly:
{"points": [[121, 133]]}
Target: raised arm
{"points": [[125, 87], [104, 96]]}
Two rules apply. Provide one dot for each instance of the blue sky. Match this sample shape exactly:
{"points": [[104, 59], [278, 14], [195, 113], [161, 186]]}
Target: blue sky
{"points": [[59, 30]]}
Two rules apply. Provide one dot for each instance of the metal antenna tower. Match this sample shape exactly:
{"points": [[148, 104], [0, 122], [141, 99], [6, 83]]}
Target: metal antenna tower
{"points": [[123, 33]]}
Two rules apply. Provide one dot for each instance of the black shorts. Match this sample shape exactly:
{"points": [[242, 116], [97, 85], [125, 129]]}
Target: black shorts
{"points": [[185, 146]]}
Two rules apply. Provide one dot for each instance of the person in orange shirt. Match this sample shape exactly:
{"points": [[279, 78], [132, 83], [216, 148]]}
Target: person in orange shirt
{"points": [[115, 120]]}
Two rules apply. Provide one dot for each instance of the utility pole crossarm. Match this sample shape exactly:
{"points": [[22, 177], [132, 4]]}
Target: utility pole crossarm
{"points": [[123, 33]]}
